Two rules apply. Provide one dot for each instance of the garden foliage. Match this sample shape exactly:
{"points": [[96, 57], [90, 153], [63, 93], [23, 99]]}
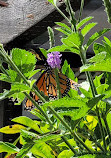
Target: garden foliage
{"points": [[77, 125]]}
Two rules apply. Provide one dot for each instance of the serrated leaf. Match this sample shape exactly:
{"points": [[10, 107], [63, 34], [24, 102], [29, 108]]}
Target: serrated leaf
{"points": [[107, 41], [98, 57], [66, 102], [27, 122], [91, 122], [4, 77], [6, 94], [71, 141], [63, 30], [24, 60], [85, 92], [95, 36], [66, 154], [82, 22], [7, 147], [64, 48], [97, 47], [43, 150], [87, 28], [12, 129], [105, 66], [64, 25], [27, 135], [74, 40], [36, 113], [25, 149], [20, 87]]}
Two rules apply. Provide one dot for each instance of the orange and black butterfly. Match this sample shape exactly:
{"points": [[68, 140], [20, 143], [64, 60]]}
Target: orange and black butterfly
{"points": [[47, 84]]}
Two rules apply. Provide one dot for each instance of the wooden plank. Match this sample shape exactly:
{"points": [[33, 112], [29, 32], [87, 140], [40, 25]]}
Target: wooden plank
{"points": [[20, 16]]}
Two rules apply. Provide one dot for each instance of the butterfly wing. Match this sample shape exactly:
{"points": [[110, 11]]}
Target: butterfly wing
{"points": [[47, 84]]}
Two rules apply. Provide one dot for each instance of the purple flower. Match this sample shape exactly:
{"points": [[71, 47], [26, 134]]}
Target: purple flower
{"points": [[54, 59]]}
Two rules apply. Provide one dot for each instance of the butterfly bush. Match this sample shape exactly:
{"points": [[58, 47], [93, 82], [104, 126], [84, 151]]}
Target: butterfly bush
{"points": [[54, 59]]}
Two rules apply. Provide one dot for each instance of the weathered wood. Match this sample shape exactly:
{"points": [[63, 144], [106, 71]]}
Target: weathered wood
{"points": [[15, 18]]}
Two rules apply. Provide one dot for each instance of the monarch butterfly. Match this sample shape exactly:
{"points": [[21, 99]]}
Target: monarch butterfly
{"points": [[47, 84]]}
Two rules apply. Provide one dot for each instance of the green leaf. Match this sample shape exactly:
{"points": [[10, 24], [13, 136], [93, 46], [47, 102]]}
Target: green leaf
{"points": [[66, 70], [6, 94], [75, 40], [107, 41], [71, 141], [101, 89], [87, 28], [66, 154], [66, 102], [95, 36], [97, 47], [53, 2], [85, 92], [64, 26], [27, 122], [12, 129], [82, 22], [25, 149], [109, 120], [33, 73], [97, 80], [63, 30], [7, 147], [98, 57], [64, 48], [105, 65], [94, 156], [20, 87], [44, 52], [27, 135], [36, 113], [41, 149], [24, 60], [4, 77]]}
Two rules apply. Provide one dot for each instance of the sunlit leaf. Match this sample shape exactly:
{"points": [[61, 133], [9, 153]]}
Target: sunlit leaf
{"points": [[83, 21], [87, 28], [27, 122], [7, 147], [66, 154], [97, 47], [24, 60], [12, 129], [95, 36]]}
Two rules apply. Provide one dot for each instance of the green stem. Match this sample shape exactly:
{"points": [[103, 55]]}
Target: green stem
{"points": [[3, 70], [94, 93], [107, 127], [38, 107], [68, 128], [57, 82], [81, 10], [71, 13], [51, 37], [101, 129], [69, 145], [62, 14]]}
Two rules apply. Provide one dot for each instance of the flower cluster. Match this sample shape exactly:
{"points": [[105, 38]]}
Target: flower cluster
{"points": [[54, 59]]}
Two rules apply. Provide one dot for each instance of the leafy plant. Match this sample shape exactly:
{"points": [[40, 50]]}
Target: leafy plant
{"points": [[77, 125]]}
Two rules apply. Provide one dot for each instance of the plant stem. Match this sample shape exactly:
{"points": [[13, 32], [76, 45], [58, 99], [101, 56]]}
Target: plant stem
{"points": [[3, 70], [38, 107], [81, 9], [57, 82], [107, 127], [69, 145], [101, 129], [68, 128], [65, 17], [94, 93], [71, 13]]}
